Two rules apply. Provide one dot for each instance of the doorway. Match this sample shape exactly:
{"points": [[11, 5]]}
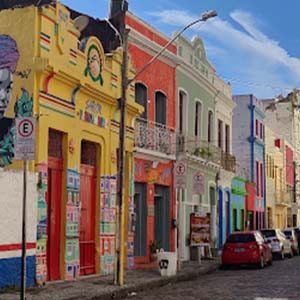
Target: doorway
{"points": [[162, 216], [55, 170], [88, 187], [140, 210]]}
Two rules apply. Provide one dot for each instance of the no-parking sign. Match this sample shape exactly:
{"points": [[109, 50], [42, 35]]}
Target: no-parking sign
{"points": [[25, 138], [180, 171]]}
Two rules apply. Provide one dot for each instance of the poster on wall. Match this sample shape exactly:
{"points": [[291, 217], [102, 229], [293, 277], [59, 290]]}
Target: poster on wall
{"points": [[200, 229]]}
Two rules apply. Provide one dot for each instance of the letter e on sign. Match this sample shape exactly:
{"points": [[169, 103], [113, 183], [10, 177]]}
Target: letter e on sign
{"points": [[25, 139]]}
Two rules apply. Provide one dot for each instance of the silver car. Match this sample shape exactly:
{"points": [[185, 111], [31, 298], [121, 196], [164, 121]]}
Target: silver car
{"points": [[281, 246], [292, 237]]}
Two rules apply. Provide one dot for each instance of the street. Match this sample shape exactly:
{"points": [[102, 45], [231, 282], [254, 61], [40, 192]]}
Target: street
{"points": [[278, 282]]}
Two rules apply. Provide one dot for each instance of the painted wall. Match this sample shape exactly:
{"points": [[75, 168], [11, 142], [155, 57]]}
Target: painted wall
{"points": [[160, 76], [76, 95], [16, 76], [241, 131], [237, 203]]}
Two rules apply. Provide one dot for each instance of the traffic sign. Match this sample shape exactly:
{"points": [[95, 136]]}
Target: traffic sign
{"points": [[198, 183], [25, 140], [180, 170]]}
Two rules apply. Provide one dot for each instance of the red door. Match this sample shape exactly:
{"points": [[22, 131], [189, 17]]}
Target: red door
{"points": [[88, 176], [55, 167]]}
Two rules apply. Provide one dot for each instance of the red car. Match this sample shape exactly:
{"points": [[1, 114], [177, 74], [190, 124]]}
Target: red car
{"points": [[246, 248]]}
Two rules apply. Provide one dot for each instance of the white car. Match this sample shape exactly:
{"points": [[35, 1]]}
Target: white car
{"points": [[281, 246], [292, 236]]}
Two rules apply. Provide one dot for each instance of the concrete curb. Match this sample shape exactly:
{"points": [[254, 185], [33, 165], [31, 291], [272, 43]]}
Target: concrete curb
{"points": [[122, 292]]}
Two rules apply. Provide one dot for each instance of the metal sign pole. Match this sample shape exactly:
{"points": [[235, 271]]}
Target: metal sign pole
{"points": [[23, 272]]}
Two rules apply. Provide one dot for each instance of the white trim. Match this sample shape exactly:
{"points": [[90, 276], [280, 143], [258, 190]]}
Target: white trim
{"points": [[186, 110], [16, 253], [199, 137]]}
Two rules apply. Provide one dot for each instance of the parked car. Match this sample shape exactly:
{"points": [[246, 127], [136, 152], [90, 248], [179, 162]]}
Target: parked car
{"points": [[297, 231], [293, 238], [246, 248], [281, 246]]}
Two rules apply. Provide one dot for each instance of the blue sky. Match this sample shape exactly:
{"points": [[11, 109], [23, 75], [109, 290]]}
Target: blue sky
{"points": [[254, 44]]}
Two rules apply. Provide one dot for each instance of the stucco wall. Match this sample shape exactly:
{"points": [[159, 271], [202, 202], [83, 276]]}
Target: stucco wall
{"points": [[11, 198]]}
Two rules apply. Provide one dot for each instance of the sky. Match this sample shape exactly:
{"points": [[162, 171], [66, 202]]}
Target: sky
{"points": [[253, 44]]}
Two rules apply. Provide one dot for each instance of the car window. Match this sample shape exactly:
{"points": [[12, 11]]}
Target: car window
{"points": [[287, 232], [268, 232], [240, 238]]}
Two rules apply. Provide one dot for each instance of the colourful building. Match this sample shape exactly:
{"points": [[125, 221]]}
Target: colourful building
{"points": [[250, 206], [65, 80], [249, 148], [155, 140], [237, 204]]}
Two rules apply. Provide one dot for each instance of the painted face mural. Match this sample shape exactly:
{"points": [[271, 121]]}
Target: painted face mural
{"points": [[94, 64], [9, 56]]}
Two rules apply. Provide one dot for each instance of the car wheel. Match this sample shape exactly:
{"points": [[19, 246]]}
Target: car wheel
{"points": [[223, 267], [270, 261], [282, 254], [291, 254], [261, 263]]}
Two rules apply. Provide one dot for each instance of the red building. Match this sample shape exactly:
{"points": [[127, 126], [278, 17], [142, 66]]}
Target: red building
{"points": [[155, 140], [250, 206]]}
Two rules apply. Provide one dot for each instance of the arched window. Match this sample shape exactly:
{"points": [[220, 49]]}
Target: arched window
{"points": [[198, 110], [182, 112], [141, 97], [210, 127], [160, 108]]}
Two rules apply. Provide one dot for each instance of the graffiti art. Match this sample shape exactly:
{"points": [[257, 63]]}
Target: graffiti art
{"points": [[9, 56], [94, 64]]}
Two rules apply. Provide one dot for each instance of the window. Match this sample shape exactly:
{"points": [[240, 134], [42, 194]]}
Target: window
{"points": [[198, 109], [227, 138], [256, 127], [182, 110], [241, 238], [261, 181], [160, 108], [141, 97], [210, 127], [257, 179], [220, 134], [260, 131]]}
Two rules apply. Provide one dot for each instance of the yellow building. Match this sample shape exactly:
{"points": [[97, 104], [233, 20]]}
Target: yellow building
{"points": [[71, 86]]}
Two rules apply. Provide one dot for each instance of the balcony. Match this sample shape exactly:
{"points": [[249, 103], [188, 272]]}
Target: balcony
{"points": [[155, 139], [190, 145], [228, 162], [282, 198]]}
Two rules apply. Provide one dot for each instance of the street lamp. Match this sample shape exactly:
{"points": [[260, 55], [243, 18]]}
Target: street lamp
{"points": [[122, 133]]}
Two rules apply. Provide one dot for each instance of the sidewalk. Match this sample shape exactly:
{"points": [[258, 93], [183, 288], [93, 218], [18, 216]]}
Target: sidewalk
{"points": [[101, 287]]}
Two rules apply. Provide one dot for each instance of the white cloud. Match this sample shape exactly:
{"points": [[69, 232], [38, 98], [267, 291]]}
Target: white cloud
{"points": [[247, 53]]}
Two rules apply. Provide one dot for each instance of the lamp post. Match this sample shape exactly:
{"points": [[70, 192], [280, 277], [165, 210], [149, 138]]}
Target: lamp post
{"points": [[122, 133]]}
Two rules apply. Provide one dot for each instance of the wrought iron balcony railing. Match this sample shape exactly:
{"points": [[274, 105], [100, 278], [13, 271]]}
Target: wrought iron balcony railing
{"points": [[198, 148], [155, 137], [228, 162]]}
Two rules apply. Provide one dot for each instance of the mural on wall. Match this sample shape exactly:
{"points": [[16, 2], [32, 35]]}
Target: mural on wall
{"points": [[41, 244], [94, 64], [9, 56], [72, 259], [92, 113], [108, 196]]}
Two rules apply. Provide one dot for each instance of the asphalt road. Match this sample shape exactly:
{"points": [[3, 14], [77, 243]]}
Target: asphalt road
{"points": [[281, 281]]}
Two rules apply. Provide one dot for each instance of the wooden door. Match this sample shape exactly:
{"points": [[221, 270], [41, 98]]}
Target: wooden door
{"points": [[88, 176], [55, 167]]}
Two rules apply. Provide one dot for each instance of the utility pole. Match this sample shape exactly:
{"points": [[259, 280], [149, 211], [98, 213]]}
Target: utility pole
{"points": [[119, 278]]}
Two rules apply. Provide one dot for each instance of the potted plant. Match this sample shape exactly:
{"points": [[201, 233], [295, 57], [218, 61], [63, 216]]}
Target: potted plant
{"points": [[154, 249]]}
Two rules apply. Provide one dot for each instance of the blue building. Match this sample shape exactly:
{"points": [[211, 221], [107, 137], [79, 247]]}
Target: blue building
{"points": [[248, 133]]}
